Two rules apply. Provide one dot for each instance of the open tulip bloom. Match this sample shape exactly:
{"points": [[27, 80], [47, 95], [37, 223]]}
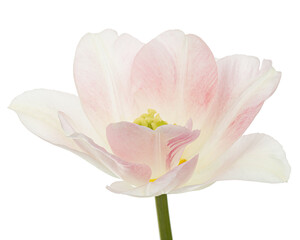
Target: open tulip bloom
{"points": [[163, 117]]}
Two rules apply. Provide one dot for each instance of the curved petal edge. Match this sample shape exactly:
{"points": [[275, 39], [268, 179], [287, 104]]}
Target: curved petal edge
{"points": [[163, 185], [255, 157]]}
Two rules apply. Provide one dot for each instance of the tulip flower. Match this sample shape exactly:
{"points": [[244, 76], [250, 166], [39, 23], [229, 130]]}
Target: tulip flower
{"points": [[163, 117]]}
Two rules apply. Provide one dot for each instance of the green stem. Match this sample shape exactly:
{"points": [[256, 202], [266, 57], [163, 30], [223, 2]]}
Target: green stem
{"points": [[162, 210]]}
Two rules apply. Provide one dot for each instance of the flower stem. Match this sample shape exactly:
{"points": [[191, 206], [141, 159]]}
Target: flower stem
{"points": [[162, 210]]}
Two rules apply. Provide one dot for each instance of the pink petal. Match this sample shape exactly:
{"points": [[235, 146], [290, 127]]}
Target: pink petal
{"points": [[133, 173], [242, 90], [160, 149], [163, 185], [189, 124], [176, 75], [102, 68]]}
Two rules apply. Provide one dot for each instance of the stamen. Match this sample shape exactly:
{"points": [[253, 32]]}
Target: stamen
{"points": [[182, 160], [152, 180], [151, 120]]}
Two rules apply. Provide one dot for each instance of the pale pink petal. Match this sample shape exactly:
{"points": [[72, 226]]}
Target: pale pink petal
{"points": [[235, 73], [255, 157], [38, 111], [95, 162], [163, 185], [189, 124], [243, 92], [160, 149], [133, 173], [176, 75], [102, 68], [243, 88]]}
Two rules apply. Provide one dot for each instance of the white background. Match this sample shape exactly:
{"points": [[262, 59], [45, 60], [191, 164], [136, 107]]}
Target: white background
{"points": [[49, 193]]}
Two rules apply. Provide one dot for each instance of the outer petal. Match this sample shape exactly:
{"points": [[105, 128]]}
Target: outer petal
{"points": [[161, 149], [163, 185], [133, 173], [101, 69], [255, 157], [242, 90], [38, 111], [176, 75], [190, 188]]}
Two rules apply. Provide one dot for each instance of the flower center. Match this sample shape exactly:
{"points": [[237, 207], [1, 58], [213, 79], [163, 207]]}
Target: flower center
{"points": [[151, 120]]}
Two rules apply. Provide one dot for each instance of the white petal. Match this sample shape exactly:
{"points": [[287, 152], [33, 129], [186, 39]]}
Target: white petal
{"points": [[255, 157], [38, 111], [190, 188]]}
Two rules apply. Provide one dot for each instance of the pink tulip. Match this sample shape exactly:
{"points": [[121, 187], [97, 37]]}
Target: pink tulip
{"points": [[208, 104]]}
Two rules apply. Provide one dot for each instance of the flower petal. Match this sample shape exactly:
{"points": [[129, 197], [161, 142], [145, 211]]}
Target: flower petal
{"points": [[38, 111], [133, 173], [102, 68], [242, 90], [163, 185], [255, 157], [176, 75], [160, 149], [190, 188]]}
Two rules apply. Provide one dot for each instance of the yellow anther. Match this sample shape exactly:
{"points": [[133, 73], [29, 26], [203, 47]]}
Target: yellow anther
{"points": [[152, 180], [182, 160], [151, 120]]}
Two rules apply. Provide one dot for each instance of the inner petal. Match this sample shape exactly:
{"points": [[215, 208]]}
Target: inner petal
{"points": [[160, 146], [182, 160]]}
